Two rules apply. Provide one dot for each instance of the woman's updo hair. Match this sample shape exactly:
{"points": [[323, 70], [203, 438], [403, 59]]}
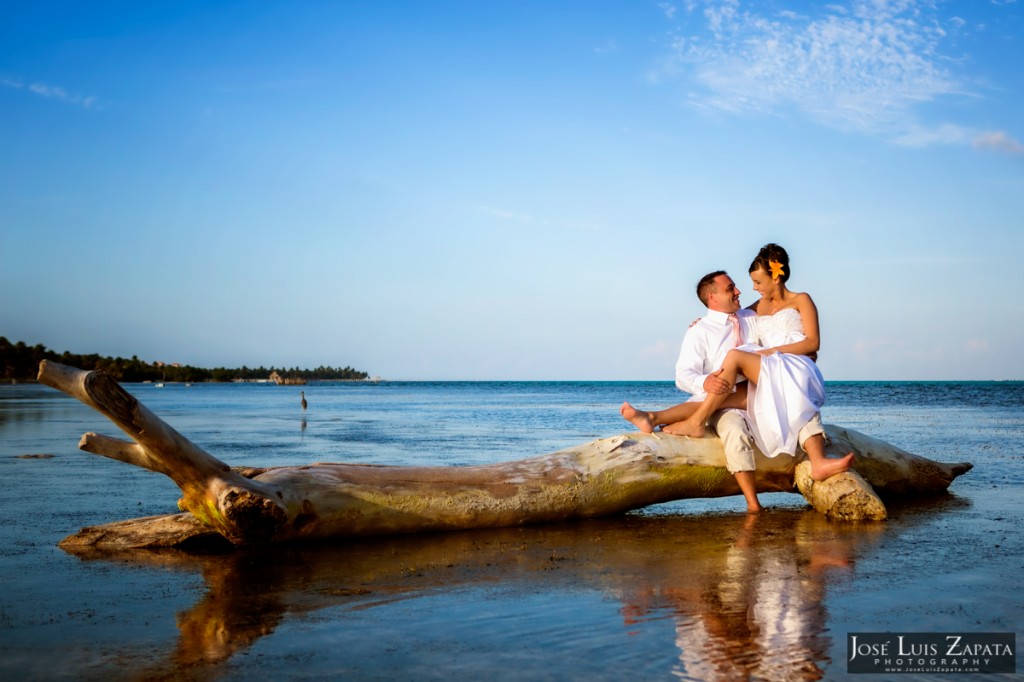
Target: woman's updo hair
{"points": [[769, 253]]}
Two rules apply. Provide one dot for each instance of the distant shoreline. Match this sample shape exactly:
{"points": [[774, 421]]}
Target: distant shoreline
{"points": [[377, 380]]}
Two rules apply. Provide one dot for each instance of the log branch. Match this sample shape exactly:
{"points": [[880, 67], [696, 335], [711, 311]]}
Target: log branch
{"points": [[892, 471], [241, 509]]}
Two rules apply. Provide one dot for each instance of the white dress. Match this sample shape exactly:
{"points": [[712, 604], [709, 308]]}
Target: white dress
{"points": [[790, 389]]}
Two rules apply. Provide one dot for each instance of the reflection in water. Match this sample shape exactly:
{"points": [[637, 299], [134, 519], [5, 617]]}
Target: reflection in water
{"points": [[744, 593], [752, 605]]}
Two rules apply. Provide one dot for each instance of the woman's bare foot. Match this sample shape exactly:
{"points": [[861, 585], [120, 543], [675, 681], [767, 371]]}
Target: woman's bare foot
{"points": [[826, 467], [642, 420], [691, 427]]}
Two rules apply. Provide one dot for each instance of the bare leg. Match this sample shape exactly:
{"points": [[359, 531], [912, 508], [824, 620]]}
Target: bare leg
{"points": [[749, 490], [647, 421], [641, 420], [673, 420], [823, 467], [736, 362]]}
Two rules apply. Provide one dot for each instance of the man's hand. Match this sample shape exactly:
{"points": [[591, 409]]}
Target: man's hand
{"points": [[716, 384]]}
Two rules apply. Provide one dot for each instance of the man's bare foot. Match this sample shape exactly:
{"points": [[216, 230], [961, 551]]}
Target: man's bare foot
{"points": [[819, 562], [826, 467], [641, 420], [691, 427]]}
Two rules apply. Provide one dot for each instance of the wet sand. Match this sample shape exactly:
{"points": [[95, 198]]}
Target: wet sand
{"points": [[710, 596]]}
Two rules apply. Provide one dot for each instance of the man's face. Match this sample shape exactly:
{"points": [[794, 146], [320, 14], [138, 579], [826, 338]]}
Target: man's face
{"points": [[726, 297]]}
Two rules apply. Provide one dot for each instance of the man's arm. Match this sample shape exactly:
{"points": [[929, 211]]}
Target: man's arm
{"points": [[690, 373], [691, 369]]}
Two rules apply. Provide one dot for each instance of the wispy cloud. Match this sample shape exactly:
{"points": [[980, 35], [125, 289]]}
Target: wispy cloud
{"points": [[978, 346], [52, 92], [994, 140], [506, 215], [998, 141], [947, 133], [866, 66], [542, 223]]}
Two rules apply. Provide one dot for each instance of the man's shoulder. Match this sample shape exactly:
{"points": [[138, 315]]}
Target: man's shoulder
{"points": [[698, 327]]}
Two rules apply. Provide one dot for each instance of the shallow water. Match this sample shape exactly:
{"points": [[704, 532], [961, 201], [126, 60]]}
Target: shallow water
{"points": [[687, 590]]}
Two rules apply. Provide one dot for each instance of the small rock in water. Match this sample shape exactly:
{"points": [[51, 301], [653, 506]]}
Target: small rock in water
{"points": [[37, 456]]}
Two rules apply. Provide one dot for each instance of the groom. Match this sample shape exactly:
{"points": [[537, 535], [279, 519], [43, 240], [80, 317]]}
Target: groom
{"points": [[704, 348]]}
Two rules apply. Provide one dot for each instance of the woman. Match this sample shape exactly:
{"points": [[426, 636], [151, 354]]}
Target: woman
{"points": [[785, 388]]}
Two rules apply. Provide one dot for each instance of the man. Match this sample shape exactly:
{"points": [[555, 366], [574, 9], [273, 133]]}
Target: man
{"points": [[698, 370], [704, 348]]}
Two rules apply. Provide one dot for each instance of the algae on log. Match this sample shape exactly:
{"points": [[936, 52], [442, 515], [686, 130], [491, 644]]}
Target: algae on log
{"points": [[604, 477]]}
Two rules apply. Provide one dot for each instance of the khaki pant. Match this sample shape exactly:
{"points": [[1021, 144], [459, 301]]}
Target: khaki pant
{"points": [[731, 426]]}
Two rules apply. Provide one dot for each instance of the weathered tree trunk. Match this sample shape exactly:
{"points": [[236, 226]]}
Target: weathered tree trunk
{"points": [[240, 509], [600, 478]]}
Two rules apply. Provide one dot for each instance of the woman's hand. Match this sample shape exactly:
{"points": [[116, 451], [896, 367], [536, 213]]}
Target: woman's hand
{"points": [[767, 351]]}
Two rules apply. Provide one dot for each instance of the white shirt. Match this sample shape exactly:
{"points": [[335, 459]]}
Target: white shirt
{"points": [[705, 346]]}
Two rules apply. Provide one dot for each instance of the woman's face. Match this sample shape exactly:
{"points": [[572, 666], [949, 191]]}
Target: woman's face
{"points": [[763, 283]]}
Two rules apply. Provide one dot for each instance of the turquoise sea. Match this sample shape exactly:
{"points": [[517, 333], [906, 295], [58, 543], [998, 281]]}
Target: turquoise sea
{"points": [[691, 590]]}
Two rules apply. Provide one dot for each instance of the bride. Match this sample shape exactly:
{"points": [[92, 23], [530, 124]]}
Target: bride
{"points": [[785, 388]]}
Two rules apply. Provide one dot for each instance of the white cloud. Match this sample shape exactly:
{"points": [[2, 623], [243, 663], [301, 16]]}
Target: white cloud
{"points": [[506, 215], [917, 136], [998, 141], [865, 66], [661, 350], [872, 347], [573, 225], [978, 346], [52, 92]]}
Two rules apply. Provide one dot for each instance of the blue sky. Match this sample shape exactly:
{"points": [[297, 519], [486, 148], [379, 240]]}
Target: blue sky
{"points": [[509, 190]]}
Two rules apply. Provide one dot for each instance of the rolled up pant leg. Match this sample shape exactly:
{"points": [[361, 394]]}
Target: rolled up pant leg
{"points": [[811, 428], [732, 428]]}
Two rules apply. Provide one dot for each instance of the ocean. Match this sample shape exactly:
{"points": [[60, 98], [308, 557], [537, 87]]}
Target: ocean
{"points": [[692, 590]]}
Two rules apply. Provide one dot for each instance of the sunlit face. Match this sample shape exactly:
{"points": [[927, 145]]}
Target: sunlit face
{"points": [[725, 297], [763, 283]]}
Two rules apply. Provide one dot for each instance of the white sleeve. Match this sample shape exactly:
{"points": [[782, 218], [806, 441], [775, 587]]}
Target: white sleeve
{"points": [[690, 373]]}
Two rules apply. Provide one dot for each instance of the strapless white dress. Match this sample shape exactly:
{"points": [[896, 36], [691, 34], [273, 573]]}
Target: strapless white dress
{"points": [[790, 389]]}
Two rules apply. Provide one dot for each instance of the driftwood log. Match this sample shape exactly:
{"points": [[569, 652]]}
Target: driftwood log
{"points": [[601, 478]]}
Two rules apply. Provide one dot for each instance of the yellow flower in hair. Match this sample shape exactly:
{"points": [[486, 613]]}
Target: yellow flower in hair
{"points": [[776, 267]]}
